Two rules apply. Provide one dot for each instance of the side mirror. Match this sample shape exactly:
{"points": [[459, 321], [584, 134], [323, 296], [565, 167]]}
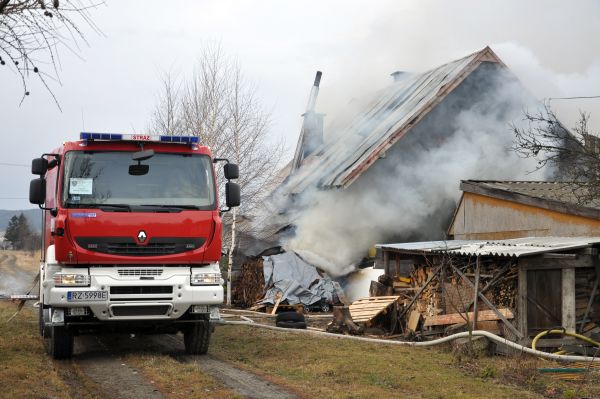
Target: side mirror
{"points": [[39, 166], [231, 171], [37, 191], [232, 194]]}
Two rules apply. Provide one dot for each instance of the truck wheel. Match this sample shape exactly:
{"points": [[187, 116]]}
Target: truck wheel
{"points": [[196, 338], [61, 342], [41, 318]]}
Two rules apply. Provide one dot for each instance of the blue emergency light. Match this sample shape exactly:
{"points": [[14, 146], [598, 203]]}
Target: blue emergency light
{"points": [[138, 137]]}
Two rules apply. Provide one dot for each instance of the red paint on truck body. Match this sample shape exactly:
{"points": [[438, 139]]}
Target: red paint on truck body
{"points": [[195, 224]]}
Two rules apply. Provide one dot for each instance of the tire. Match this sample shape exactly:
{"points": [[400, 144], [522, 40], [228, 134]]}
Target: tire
{"points": [[289, 316], [41, 318], [325, 307], [61, 342], [291, 324], [197, 337]]}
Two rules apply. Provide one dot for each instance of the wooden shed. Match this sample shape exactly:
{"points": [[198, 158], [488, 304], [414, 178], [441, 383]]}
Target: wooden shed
{"points": [[495, 210], [523, 286]]}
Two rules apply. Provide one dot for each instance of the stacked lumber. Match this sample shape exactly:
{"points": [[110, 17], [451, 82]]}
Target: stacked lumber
{"points": [[249, 287], [366, 311]]}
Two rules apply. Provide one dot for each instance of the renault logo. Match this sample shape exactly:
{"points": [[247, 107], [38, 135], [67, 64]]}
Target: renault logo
{"points": [[142, 236]]}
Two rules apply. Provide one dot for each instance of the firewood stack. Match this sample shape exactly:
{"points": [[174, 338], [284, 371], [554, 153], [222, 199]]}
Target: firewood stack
{"points": [[249, 287]]}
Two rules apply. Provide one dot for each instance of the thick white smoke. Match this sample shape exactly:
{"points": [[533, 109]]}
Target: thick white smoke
{"points": [[413, 191]]}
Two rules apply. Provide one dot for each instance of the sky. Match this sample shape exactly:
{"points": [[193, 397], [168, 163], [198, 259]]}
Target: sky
{"points": [[111, 83]]}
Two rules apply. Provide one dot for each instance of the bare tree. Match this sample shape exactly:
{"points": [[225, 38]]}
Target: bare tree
{"points": [[32, 31], [217, 105], [574, 155]]}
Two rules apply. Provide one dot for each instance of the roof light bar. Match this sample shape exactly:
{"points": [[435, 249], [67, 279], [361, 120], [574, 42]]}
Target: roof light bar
{"points": [[139, 137]]}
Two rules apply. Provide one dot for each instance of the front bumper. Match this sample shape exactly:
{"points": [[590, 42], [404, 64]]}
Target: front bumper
{"points": [[164, 295]]}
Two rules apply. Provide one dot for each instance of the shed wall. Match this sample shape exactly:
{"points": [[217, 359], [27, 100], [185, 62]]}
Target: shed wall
{"points": [[479, 217]]}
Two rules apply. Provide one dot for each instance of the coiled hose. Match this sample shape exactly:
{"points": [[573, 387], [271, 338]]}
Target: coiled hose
{"points": [[563, 332]]}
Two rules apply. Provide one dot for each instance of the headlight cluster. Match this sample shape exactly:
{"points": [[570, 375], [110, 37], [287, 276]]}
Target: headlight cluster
{"points": [[206, 278], [71, 280]]}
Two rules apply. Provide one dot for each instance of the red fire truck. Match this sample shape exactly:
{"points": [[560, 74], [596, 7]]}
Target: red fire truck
{"points": [[131, 238]]}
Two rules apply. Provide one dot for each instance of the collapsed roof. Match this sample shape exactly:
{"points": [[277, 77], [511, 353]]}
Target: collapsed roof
{"points": [[387, 118]]}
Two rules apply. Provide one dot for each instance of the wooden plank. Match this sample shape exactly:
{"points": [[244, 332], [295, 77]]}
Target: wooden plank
{"points": [[279, 296], [568, 300], [459, 318], [590, 303], [386, 262], [476, 292], [540, 263], [522, 302], [413, 321]]}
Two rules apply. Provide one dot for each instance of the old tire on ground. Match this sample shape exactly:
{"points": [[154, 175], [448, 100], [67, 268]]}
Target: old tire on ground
{"points": [[289, 316], [61, 342], [291, 324], [196, 338]]}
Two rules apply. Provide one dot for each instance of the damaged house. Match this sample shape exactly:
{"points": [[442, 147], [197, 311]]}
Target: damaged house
{"points": [[389, 172]]}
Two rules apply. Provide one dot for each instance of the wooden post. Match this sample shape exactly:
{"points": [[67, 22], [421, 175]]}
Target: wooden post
{"points": [[397, 265], [568, 299], [386, 262], [476, 294], [522, 299]]}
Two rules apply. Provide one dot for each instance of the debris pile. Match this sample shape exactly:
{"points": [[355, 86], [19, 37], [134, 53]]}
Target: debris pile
{"points": [[282, 281], [250, 285], [428, 299]]}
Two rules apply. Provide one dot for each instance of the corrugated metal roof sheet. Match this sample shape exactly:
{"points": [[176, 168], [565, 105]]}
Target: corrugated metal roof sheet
{"points": [[517, 247], [372, 132]]}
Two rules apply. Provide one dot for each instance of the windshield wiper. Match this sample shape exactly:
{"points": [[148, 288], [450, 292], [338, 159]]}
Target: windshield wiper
{"points": [[113, 207], [173, 207]]}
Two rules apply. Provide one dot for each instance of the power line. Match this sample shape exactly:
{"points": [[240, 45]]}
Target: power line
{"points": [[571, 98], [13, 164]]}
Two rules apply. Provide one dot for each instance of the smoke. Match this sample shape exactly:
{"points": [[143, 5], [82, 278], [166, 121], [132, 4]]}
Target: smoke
{"points": [[411, 193]]}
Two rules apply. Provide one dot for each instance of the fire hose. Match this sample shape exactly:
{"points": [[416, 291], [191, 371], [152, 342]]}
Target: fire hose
{"points": [[563, 332], [449, 338]]}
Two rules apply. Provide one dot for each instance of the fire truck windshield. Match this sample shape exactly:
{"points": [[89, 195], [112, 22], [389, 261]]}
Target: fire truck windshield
{"points": [[97, 179]]}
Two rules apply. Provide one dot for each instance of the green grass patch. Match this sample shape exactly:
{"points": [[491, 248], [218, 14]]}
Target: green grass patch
{"points": [[25, 369], [322, 367]]}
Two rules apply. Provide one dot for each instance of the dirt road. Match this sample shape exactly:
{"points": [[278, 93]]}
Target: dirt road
{"points": [[17, 271], [101, 358]]}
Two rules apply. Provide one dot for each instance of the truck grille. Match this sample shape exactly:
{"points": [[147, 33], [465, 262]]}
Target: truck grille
{"points": [[140, 272], [127, 246], [138, 290], [153, 310]]}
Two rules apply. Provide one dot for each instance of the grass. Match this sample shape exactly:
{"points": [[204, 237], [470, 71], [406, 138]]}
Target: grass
{"points": [[320, 367], [25, 369], [176, 380]]}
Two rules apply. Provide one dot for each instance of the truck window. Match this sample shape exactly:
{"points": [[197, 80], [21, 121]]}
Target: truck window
{"points": [[102, 178]]}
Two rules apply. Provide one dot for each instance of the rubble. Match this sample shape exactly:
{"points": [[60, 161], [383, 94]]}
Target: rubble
{"points": [[285, 282]]}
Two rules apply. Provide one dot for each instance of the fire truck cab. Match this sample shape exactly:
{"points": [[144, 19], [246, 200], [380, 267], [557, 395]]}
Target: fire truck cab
{"points": [[131, 238]]}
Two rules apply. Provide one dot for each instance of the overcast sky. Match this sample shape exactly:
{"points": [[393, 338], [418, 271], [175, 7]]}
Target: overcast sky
{"points": [[111, 86]]}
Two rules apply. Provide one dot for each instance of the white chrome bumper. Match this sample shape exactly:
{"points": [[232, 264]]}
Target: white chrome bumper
{"points": [[160, 296]]}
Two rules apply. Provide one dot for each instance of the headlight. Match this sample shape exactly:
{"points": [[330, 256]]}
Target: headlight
{"points": [[71, 280], [206, 278]]}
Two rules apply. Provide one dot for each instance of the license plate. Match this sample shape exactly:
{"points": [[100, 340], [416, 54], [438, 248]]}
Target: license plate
{"points": [[83, 296]]}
